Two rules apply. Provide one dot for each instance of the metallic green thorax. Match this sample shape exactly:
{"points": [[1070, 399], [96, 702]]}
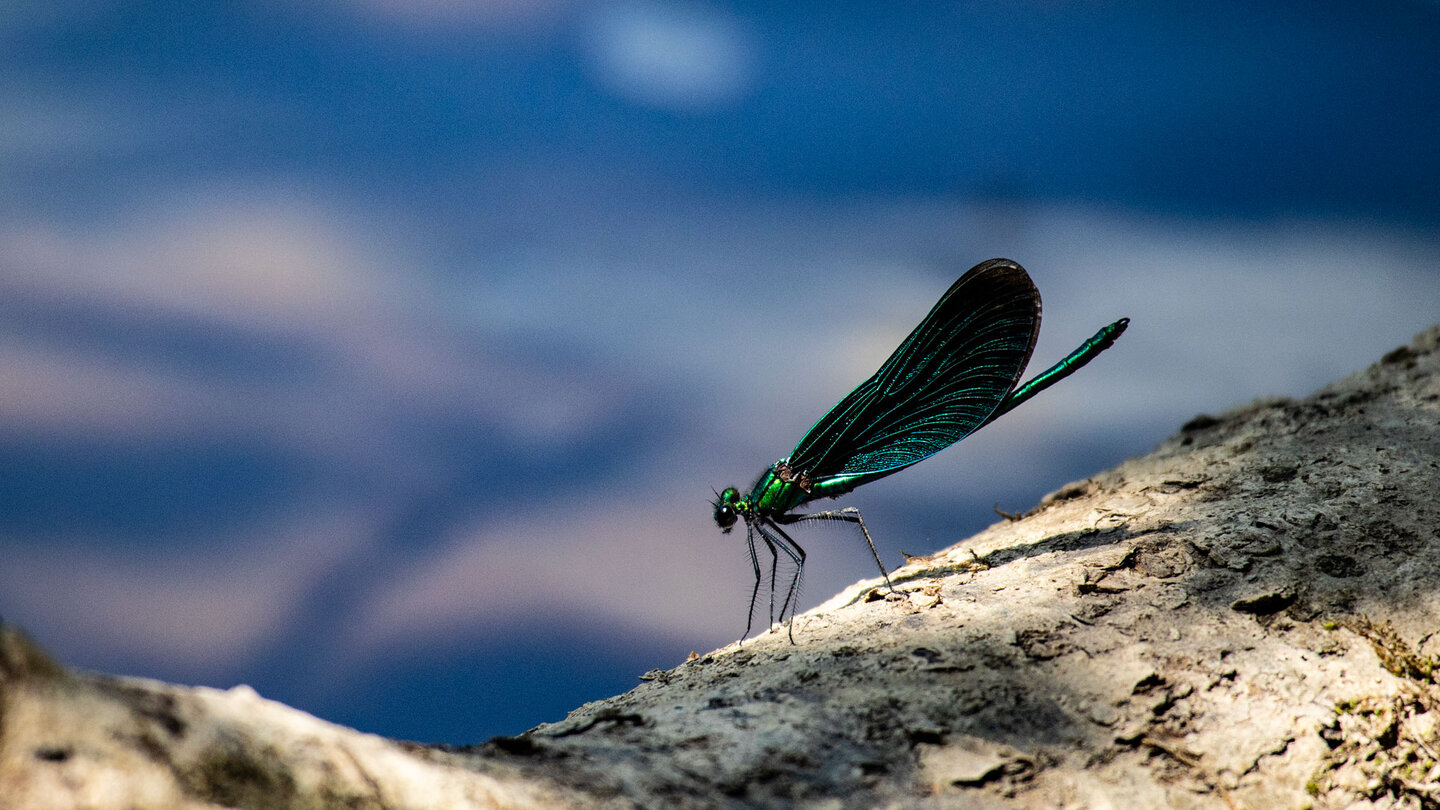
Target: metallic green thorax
{"points": [[779, 490]]}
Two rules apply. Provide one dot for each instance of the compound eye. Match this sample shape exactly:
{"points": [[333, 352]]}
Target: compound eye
{"points": [[725, 515], [727, 509]]}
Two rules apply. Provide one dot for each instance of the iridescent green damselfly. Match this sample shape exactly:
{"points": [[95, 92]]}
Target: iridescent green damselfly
{"points": [[954, 374]]}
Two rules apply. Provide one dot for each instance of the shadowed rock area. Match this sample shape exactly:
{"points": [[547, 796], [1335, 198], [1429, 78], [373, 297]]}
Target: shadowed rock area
{"points": [[1244, 618]]}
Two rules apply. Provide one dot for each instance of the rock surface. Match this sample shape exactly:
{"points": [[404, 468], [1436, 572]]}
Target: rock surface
{"points": [[72, 740], [1245, 618]]}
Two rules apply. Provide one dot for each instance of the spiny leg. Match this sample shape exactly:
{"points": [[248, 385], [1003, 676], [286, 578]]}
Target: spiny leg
{"points": [[791, 548], [755, 591], [771, 542], [848, 515], [775, 561]]}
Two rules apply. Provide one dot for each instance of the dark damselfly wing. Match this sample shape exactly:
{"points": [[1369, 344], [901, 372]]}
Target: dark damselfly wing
{"points": [[943, 382]]}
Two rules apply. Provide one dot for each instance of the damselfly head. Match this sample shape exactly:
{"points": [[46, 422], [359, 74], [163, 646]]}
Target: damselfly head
{"points": [[725, 512]]}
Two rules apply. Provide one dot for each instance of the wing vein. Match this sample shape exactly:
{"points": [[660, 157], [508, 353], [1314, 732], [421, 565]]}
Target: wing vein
{"points": [[941, 383]]}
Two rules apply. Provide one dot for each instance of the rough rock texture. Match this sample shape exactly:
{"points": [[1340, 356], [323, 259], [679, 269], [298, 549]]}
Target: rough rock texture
{"points": [[72, 740], [1243, 618]]}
